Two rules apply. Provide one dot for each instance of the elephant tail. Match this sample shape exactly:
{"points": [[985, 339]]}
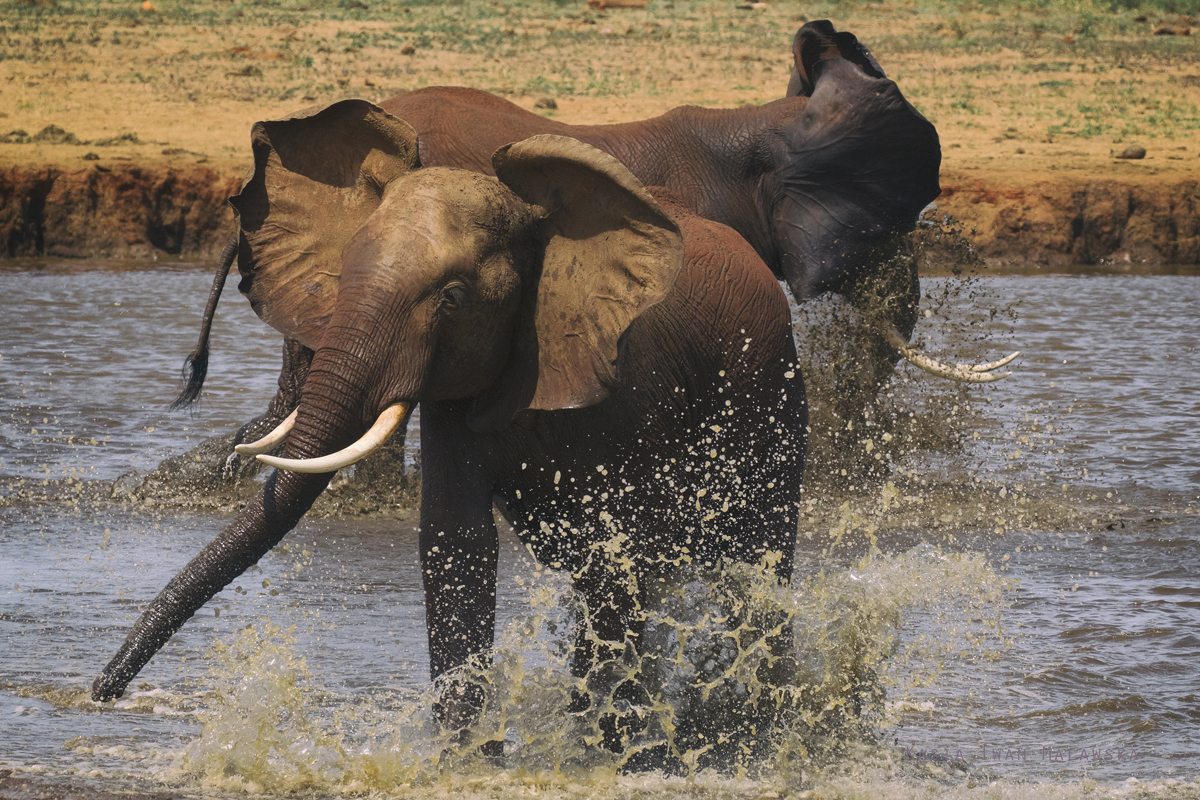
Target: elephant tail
{"points": [[195, 366]]}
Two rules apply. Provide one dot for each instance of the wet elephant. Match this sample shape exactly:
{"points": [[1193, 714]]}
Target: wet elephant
{"points": [[824, 184], [614, 373]]}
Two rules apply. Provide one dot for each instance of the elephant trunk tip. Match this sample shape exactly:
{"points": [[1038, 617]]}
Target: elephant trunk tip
{"points": [[195, 370], [108, 687]]}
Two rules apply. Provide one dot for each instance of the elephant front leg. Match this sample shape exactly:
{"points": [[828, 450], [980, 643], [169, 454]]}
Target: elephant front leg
{"points": [[459, 551]]}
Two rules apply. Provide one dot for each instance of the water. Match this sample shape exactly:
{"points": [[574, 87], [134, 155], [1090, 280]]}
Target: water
{"points": [[1022, 611], [92, 358]]}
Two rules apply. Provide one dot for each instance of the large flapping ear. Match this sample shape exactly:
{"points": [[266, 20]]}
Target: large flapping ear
{"points": [[317, 176], [609, 253], [856, 165], [817, 41]]}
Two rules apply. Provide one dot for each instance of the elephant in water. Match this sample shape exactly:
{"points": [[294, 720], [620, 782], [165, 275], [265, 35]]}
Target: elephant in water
{"points": [[616, 374], [822, 183]]}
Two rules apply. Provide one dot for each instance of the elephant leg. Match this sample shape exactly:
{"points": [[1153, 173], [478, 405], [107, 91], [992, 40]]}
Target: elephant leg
{"points": [[459, 551], [458, 560], [213, 463], [606, 657]]}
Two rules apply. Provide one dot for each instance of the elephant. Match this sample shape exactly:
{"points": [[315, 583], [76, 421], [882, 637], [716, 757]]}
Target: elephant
{"points": [[823, 183], [614, 373]]}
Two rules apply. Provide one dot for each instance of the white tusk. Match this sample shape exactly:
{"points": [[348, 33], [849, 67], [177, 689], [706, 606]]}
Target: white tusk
{"points": [[391, 419], [993, 365], [269, 441], [963, 373]]}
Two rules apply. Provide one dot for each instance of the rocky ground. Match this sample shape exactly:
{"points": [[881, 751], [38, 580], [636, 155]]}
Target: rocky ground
{"points": [[123, 126]]}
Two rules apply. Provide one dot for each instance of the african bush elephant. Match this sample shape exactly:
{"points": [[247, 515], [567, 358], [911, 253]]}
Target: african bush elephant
{"points": [[822, 183], [616, 373]]}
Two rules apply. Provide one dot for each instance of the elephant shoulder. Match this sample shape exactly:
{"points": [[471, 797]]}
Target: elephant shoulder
{"points": [[710, 246], [723, 278]]}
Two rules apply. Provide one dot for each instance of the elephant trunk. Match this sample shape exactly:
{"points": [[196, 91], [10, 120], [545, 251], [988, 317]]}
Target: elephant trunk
{"points": [[286, 497], [890, 307], [888, 299]]}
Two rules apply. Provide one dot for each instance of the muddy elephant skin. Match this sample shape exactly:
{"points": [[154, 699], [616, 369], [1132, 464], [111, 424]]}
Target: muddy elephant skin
{"points": [[613, 372], [816, 182]]}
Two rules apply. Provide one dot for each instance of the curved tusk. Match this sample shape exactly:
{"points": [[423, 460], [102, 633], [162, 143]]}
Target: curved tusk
{"points": [[269, 441], [963, 373], [993, 365], [391, 419]]}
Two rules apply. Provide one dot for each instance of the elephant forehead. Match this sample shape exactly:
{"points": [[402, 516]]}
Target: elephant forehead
{"points": [[445, 201]]}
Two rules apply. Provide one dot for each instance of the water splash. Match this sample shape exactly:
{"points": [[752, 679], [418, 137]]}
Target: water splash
{"points": [[743, 680]]}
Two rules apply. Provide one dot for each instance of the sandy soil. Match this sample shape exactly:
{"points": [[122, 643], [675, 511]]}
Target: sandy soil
{"points": [[1033, 105]]}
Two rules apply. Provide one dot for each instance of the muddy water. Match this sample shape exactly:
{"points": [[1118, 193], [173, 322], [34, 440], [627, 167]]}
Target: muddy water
{"points": [[1015, 613]]}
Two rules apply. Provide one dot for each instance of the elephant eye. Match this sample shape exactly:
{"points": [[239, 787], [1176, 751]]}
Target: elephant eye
{"points": [[454, 296]]}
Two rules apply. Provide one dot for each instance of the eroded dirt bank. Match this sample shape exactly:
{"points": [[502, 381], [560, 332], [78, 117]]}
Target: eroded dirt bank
{"points": [[132, 211], [114, 211], [1077, 219]]}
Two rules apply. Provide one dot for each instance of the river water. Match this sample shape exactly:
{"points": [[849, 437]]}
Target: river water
{"points": [[1022, 606]]}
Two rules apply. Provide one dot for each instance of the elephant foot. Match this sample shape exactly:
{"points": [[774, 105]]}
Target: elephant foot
{"points": [[580, 702], [494, 751], [620, 729], [629, 715], [657, 758], [457, 713]]}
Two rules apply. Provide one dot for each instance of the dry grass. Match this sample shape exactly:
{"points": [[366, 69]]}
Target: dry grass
{"points": [[1012, 87]]}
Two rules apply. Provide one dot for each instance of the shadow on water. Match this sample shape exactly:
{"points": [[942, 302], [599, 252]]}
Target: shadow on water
{"points": [[1004, 596]]}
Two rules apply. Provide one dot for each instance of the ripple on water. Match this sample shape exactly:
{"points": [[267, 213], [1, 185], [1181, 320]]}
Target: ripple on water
{"points": [[1099, 636]]}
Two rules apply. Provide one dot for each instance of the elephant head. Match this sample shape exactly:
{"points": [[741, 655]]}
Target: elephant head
{"points": [[851, 170], [522, 285], [416, 285], [855, 168]]}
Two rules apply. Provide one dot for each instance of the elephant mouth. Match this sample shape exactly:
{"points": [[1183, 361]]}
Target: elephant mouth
{"points": [[389, 421]]}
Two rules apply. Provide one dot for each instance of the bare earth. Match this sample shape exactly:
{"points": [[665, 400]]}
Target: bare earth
{"points": [[1033, 106]]}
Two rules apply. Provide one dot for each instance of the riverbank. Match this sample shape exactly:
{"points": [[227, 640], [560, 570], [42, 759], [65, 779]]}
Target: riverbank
{"points": [[1108, 215], [122, 131]]}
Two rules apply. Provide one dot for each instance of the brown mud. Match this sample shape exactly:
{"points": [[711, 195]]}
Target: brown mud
{"points": [[1096, 218], [118, 211]]}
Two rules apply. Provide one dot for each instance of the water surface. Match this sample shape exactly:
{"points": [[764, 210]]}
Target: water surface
{"points": [[1082, 501]]}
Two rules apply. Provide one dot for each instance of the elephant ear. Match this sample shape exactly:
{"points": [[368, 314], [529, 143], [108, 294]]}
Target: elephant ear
{"points": [[819, 40], [609, 253], [317, 176]]}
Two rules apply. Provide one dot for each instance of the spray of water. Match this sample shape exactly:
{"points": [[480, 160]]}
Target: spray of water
{"points": [[740, 679]]}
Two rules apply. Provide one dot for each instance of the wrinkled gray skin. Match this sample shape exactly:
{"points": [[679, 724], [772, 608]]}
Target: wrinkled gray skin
{"points": [[575, 346], [823, 183]]}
